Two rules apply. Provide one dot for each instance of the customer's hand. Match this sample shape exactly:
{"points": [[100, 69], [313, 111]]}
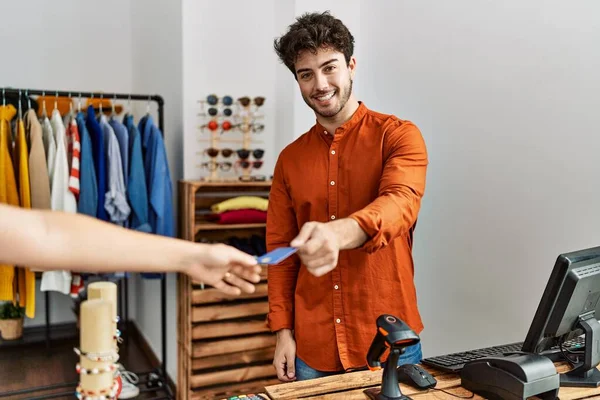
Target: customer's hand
{"points": [[318, 247], [223, 267], [285, 356]]}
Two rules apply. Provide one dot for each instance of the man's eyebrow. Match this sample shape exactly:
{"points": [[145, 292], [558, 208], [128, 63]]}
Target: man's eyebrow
{"points": [[321, 66]]}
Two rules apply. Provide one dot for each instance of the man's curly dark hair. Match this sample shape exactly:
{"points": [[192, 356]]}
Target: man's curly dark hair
{"points": [[313, 31]]}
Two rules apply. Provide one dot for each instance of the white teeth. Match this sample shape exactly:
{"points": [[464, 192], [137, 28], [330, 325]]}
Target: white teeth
{"points": [[326, 97]]}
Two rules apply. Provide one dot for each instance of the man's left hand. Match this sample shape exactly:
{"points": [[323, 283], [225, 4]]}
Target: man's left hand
{"points": [[318, 247]]}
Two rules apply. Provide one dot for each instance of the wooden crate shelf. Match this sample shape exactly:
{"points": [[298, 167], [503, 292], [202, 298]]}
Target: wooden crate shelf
{"points": [[224, 344]]}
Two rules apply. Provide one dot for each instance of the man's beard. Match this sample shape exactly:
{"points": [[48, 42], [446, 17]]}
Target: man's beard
{"points": [[345, 95]]}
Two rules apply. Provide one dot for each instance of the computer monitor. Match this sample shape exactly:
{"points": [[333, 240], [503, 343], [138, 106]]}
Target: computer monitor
{"points": [[570, 307]]}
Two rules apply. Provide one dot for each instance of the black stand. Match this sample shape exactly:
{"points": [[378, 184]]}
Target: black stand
{"points": [[390, 389], [585, 373], [157, 380]]}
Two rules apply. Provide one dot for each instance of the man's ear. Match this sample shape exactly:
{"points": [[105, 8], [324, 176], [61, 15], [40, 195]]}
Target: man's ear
{"points": [[352, 66]]}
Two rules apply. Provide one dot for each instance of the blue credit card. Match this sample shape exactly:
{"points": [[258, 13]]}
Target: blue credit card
{"points": [[276, 256]]}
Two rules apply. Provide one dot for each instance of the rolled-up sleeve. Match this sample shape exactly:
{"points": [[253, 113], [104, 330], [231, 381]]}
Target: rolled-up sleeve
{"points": [[281, 229], [401, 188]]}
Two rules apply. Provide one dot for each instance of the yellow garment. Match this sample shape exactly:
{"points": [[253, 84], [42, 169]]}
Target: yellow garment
{"points": [[8, 193], [26, 277], [241, 202]]}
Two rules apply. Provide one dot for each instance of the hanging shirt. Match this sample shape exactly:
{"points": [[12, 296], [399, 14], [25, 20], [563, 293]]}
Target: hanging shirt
{"points": [[38, 167], [158, 180], [137, 192], [8, 194], [97, 137], [49, 146], [61, 199], [116, 199], [371, 169], [73, 155], [26, 277], [88, 187], [123, 139]]}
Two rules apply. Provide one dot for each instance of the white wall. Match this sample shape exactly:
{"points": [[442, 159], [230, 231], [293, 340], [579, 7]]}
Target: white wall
{"points": [[228, 49], [506, 95], [65, 45], [156, 68]]}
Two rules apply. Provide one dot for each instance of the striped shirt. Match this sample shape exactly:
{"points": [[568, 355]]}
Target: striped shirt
{"points": [[74, 154]]}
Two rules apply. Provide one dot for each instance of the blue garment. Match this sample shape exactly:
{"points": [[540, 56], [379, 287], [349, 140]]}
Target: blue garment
{"points": [[123, 139], [116, 199], [88, 187], [137, 192], [158, 179], [99, 160], [412, 355]]}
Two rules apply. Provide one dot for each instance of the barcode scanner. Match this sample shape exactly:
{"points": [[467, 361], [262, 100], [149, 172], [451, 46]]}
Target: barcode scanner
{"points": [[394, 334]]}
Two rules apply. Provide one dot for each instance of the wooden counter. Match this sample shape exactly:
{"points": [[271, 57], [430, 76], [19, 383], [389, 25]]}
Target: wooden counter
{"points": [[350, 386]]}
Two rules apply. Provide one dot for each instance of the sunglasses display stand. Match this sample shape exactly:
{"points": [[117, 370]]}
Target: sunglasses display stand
{"points": [[220, 121]]}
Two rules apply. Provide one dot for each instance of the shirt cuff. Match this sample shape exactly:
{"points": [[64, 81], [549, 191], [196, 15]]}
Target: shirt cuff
{"points": [[366, 224], [279, 320]]}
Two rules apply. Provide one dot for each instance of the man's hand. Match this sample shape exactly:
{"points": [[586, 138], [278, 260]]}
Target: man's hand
{"points": [[319, 243], [223, 267], [318, 247], [285, 356]]}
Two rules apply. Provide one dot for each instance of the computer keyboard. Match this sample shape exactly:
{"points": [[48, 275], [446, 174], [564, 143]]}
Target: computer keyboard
{"points": [[455, 362]]}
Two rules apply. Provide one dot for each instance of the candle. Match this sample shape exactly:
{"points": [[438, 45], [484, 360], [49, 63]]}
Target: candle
{"points": [[96, 338], [106, 291]]}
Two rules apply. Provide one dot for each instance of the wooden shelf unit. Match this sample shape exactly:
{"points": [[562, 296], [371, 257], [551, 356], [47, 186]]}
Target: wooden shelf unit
{"points": [[224, 344]]}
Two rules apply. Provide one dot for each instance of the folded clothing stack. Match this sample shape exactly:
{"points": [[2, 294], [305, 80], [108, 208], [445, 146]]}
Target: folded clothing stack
{"points": [[240, 210]]}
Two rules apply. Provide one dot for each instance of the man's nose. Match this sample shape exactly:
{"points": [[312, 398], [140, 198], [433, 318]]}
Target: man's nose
{"points": [[321, 82]]}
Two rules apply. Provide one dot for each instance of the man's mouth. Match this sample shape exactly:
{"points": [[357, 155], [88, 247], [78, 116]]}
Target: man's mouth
{"points": [[325, 97]]}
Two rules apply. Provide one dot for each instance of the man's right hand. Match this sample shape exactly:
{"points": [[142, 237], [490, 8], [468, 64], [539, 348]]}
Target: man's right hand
{"points": [[285, 356]]}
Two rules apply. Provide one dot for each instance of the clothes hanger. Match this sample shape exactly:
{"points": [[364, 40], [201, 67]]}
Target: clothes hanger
{"points": [[112, 115], [44, 113], [20, 114]]}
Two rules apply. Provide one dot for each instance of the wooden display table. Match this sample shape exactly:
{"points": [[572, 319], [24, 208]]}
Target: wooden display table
{"points": [[350, 386]]}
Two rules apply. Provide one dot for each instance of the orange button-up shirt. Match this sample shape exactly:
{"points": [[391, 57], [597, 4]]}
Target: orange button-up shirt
{"points": [[371, 169]]}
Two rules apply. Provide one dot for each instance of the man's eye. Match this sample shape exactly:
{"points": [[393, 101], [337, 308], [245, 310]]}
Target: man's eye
{"points": [[329, 68], [305, 76]]}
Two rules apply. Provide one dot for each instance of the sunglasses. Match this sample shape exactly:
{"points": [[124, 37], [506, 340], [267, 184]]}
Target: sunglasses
{"points": [[213, 165], [245, 164], [213, 152], [213, 100], [213, 112], [245, 101], [214, 125], [245, 153]]}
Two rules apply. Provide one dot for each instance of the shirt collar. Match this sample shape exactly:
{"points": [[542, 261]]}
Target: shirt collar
{"points": [[353, 121]]}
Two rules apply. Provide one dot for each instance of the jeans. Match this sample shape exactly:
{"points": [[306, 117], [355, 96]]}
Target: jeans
{"points": [[412, 355]]}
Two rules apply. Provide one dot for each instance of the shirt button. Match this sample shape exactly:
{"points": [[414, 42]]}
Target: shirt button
{"points": [[333, 217], [325, 132], [338, 320], [336, 287], [332, 183], [332, 151]]}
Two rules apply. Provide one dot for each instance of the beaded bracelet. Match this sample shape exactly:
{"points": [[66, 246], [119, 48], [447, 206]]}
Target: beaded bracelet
{"points": [[94, 371], [108, 356], [104, 394]]}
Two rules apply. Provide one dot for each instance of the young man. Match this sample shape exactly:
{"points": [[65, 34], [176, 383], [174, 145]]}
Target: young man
{"points": [[347, 194], [54, 240]]}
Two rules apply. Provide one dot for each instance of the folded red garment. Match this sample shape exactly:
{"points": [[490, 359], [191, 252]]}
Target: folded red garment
{"points": [[243, 216]]}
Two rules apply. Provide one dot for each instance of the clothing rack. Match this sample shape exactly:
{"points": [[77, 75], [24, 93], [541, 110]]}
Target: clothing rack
{"points": [[162, 369]]}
